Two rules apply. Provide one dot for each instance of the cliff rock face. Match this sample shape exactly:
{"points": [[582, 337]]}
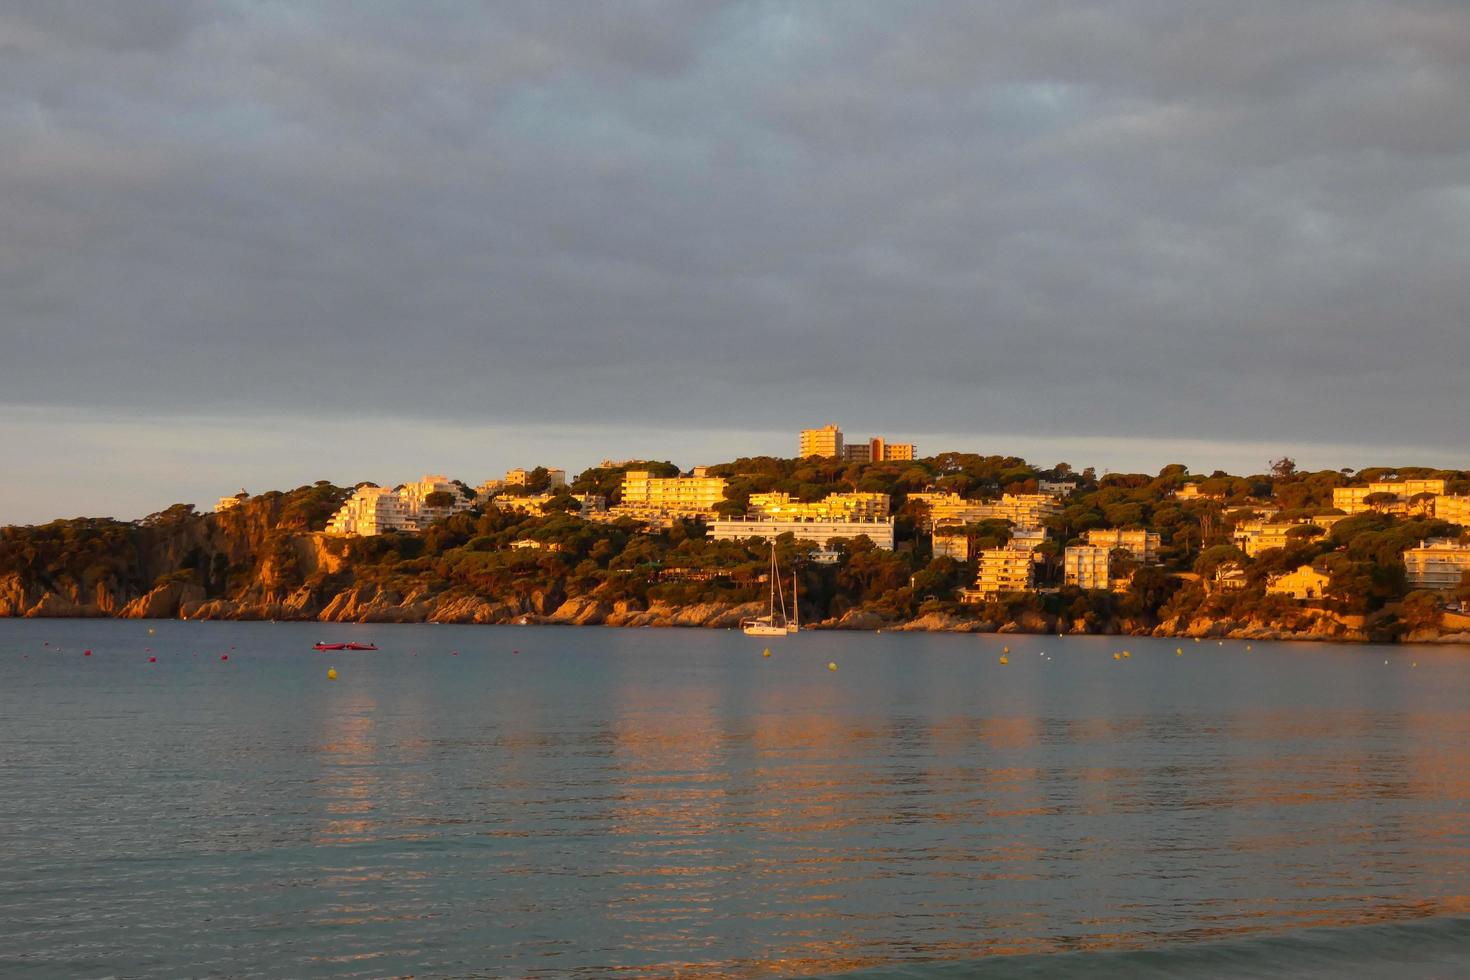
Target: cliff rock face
{"points": [[582, 611], [939, 622]]}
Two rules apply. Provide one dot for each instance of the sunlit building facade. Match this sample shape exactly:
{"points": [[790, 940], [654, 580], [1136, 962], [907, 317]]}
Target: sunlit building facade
{"points": [[1086, 566], [820, 533], [1438, 564], [825, 442]]}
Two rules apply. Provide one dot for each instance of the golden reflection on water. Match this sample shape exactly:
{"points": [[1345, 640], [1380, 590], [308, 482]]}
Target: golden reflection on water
{"points": [[823, 808], [805, 781]]}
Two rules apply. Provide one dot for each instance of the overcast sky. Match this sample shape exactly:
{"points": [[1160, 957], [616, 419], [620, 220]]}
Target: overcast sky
{"points": [[259, 244]]}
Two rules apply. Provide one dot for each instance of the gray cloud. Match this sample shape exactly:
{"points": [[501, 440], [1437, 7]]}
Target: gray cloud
{"points": [[1155, 219]]}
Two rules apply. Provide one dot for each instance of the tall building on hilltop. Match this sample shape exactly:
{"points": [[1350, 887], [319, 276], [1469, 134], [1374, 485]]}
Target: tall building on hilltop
{"points": [[825, 442], [877, 450]]}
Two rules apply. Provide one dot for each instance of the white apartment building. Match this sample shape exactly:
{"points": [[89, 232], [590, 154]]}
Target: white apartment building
{"points": [[370, 511], [414, 495], [1437, 564], [1003, 570], [1142, 545], [1057, 488], [374, 510], [820, 533], [1086, 566]]}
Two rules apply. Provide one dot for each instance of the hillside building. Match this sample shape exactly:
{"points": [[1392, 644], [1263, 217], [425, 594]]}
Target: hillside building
{"points": [[1142, 545], [1456, 510], [1352, 500], [1021, 510], [1057, 488], [1304, 583], [230, 503], [825, 442], [1437, 564], [592, 505], [876, 450], [645, 495], [836, 506], [1002, 570], [375, 510], [821, 533], [1086, 566], [520, 477]]}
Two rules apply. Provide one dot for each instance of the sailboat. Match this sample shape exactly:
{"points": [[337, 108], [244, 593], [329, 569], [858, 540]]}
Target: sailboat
{"points": [[772, 623]]}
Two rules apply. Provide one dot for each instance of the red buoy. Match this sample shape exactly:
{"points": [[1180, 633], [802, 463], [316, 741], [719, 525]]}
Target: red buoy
{"points": [[86, 653], [224, 656], [153, 660]]}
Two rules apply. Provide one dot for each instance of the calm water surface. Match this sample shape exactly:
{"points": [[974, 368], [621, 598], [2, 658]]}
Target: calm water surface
{"points": [[560, 802]]}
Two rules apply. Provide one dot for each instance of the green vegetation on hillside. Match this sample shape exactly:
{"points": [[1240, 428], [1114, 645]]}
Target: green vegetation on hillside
{"points": [[267, 551]]}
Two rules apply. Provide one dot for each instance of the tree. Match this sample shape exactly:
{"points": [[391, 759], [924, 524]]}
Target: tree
{"points": [[562, 503], [439, 498], [1420, 610], [1379, 500], [1283, 468]]}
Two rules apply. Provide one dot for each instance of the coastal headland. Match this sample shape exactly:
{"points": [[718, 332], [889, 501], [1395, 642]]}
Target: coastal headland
{"points": [[964, 543]]}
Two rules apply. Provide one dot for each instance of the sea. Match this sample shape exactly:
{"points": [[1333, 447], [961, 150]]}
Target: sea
{"points": [[182, 799]]}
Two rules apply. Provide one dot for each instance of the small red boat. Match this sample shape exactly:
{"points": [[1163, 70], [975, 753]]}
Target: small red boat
{"points": [[329, 646], [359, 646]]}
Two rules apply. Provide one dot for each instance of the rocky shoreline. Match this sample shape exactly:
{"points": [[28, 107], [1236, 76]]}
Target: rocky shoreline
{"points": [[373, 604]]}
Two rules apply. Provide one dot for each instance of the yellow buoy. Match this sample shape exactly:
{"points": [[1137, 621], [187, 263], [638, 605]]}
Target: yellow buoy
{"points": [[1005, 649], [831, 665], [150, 631], [1196, 639], [1178, 651], [766, 652], [1127, 655], [1247, 648], [1004, 659], [1117, 656], [331, 673]]}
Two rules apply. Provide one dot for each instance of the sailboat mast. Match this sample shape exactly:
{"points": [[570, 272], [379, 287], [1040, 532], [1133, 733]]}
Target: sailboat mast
{"points": [[776, 577], [795, 605]]}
